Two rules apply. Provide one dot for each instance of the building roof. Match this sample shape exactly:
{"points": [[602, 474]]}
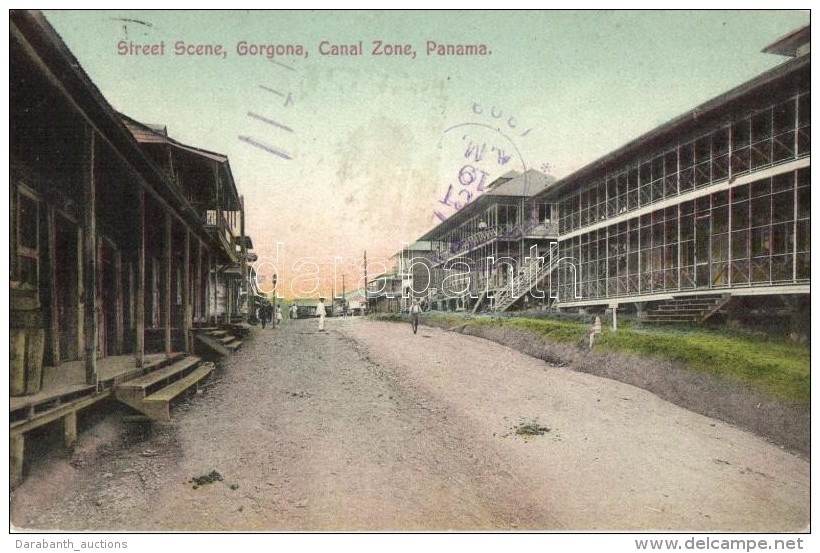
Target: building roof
{"points": [[530, 183], [418, 246], [683, 123], [53, 58], [158, 134], [790, 44], [513, 185]]}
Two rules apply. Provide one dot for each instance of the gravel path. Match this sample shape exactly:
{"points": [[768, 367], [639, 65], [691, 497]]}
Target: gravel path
{"points": [[369, 427]]}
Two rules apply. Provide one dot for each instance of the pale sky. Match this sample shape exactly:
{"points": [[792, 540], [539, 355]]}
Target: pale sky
{"points": [[374, 141]]}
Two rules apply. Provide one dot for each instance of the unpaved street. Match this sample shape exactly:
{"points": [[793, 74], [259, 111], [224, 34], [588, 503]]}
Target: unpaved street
{"points": [[370, 427]]}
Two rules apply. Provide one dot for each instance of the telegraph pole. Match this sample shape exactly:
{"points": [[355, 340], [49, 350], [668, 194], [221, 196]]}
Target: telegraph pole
{"points": [[366, 300]]}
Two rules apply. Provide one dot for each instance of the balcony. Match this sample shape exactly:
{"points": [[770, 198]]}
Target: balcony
{"points": [[218, 224], [510, 231]]}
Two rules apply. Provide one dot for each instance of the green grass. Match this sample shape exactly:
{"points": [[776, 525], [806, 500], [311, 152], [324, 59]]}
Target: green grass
{"points": [[778, 368], [774, 367]]}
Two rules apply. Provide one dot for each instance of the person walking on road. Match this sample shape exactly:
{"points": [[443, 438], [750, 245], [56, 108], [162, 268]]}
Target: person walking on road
{"points": [[263, 314], [278, 315], [294, 312], [320, 312], [415, 309]]}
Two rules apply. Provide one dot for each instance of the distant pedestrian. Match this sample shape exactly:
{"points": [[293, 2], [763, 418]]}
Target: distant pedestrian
{"points": [[415, 309], [320, 312], [294, 312], [278, 315], [263, 314]]}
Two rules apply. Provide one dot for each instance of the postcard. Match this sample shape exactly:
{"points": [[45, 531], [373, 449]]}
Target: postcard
{"points": [[374, 271]]}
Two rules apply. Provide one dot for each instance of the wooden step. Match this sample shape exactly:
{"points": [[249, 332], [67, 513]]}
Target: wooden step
{"points": [[153, 364], [218, 333], [212, 344], [155, 377], [227, 339], [233, 346], [679, 312], [158, 405]]}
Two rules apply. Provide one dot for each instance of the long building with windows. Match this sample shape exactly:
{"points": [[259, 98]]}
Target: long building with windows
{"points": [[708, 214], [483, 250]]}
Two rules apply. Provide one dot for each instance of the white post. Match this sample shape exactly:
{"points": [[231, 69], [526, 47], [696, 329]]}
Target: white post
{"points": [[614, 318]]}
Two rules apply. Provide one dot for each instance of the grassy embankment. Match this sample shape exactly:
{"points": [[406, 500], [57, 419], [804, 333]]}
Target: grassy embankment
{"points": [[773, 367]]}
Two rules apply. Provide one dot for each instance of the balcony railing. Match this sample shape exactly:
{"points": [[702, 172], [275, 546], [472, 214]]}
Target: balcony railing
{"points": [[510, 231], [212, 219]]}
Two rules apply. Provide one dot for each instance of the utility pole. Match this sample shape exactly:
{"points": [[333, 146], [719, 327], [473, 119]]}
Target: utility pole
{"points": [[344, 298]]}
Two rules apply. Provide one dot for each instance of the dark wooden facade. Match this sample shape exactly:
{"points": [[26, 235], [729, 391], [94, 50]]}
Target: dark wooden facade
{"points": [[120, 237]]}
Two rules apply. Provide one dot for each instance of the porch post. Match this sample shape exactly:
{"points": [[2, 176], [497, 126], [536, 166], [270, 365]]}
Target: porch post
{"points": [[139, 321], [54, 339], [212, 282], [89, 226], [186, 292], [120, 307], [200, 310], [244, 285], [168, 289], [16, 453]]}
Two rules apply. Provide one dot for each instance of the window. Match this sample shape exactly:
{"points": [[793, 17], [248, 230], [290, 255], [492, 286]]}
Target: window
{"points": [[28, 238]]}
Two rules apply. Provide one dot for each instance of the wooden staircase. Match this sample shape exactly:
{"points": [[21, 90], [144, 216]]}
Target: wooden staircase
{"points": [[687, 310], [533, 272], [223, 341], [152, 393]]}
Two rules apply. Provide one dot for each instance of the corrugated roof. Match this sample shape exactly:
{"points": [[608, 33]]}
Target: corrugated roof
{"points": [[48, 50], [678, 125], [789, 44], [159, 133], [528, 184], [146, 134], [522, 186]]}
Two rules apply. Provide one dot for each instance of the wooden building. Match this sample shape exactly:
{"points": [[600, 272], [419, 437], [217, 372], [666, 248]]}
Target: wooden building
{"points": [[709, 213], [477, 253], [385, 293], [119, 237], [706, 215], [205, 182]]}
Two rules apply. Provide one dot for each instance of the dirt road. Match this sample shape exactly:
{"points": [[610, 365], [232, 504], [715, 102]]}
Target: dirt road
{"points": [[369, 427]]}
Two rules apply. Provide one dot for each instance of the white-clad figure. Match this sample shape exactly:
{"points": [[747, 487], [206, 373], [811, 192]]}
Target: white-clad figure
{"points": [[595, 330], [320, 311]]}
